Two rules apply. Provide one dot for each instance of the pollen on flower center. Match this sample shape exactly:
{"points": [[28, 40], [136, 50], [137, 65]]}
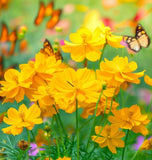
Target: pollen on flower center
{"points": [[22, 115]]}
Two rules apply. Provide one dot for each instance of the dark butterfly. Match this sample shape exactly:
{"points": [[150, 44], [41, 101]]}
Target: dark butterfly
{"points": [[140, 40], [45, 11], [48, 50]]}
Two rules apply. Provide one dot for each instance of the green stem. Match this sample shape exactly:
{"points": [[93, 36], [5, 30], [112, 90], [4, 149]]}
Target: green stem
{"points": [[84, 124], [35, 142], [122, 96], [123, 152], [59, 118], [77, 129], [106, 119], [149, 108], [93, 124], [58, 148], [102, 54], [29, 140], [60, 133]]}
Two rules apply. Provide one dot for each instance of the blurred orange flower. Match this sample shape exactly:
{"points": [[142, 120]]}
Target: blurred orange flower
{"points": [[147, 144], [64, 158], [109, 136], [130, 118], [24, 117]]}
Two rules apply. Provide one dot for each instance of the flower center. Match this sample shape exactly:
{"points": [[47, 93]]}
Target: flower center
{"points": [[22, 115]]}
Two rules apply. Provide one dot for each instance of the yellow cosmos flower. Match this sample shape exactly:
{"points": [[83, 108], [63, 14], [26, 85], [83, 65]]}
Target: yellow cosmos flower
{"points": [[92, 21], [43, 68], [130, 118], [71, 85], [24, 117], [118, 71], [103, 107], [85, 44], [45, 98], [147, 144], [148, 80], [14, 87], [109, 136], [64, 158]]}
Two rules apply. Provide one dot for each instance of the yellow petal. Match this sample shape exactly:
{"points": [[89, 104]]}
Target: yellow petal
{"points": [[148, 80]]}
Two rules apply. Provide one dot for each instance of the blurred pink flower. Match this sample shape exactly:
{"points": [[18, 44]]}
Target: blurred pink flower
{"points": [[33, 150], [145, 95], [68, 9], [139, 141]]}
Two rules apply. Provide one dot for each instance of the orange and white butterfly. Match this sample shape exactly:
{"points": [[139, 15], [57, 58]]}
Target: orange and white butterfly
{"points": [[46, 11], [8, 37], [140, 40]]}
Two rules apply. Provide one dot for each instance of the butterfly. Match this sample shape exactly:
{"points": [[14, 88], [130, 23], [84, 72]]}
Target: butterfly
{"points": [[45, 11], [48, 50], [3, 4], [140, 40], [8, 37]]}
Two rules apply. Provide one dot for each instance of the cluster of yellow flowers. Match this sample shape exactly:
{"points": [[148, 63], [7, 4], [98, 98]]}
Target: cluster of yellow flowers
{"points": [[52, 85]]}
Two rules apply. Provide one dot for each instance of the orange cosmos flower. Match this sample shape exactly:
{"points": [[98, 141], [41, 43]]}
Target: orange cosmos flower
{"points": [[24, 117], [118, 71], [71, 85], [85, 44], [103, 107], [14, 87], [147, 144], [109, 136], [42, 138], [130, 118], [148, 80]]}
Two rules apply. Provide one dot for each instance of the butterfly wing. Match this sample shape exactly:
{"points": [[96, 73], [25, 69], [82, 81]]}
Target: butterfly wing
{"points": [[47, 48], [49, 9], [54, 19], [132, 43], [41, 14], [4, 33], [12, 36], [142, 36]]}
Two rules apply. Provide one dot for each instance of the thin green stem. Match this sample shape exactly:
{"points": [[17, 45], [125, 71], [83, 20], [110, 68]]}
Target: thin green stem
{"points": [[102, 53], [84, 124], [58, 148], [60, 132], [93, 124], [122, 96], [77, 129], [35, 142], [106, 119], [29, 140], [149, 108], [123, 152], [59, 118]]}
